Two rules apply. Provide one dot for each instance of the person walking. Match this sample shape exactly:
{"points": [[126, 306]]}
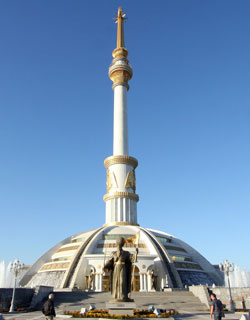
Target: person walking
{"points": [[216, 308], [48, 308]]}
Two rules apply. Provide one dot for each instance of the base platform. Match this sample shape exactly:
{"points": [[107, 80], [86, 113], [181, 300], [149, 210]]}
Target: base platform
{"points": [[121, 308]]}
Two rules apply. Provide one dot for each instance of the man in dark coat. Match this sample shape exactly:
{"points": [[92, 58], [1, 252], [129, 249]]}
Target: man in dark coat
{"points": [[48, 308], [216, 308], [120, 265]]}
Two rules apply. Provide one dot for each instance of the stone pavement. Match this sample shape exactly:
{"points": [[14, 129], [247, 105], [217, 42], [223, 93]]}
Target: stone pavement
{"points": [[205, 316], [37, 315]]}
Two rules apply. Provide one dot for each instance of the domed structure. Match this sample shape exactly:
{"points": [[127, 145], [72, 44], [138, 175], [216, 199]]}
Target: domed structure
{"points": [[163, 260], [173, 262]]}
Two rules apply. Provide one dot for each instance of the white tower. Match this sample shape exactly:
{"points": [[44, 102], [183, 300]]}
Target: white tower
{"points": [[121, 199]]}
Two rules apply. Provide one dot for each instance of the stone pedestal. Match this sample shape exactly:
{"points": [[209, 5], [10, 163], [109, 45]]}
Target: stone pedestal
{"points": [[121, 308]]}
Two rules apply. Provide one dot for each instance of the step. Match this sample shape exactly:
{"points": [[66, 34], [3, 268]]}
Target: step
{"points": [[179, 300]]}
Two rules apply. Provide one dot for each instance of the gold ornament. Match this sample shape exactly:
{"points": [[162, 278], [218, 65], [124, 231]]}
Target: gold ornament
{"points": [[128, 195], [130, 180], [111, 180], [124, 159]]}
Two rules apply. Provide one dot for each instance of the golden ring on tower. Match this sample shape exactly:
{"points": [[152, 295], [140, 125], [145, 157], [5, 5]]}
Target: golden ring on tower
{"points": [[120, 53], [123, 70], [129, 195], [120, 160], [119, 76]]}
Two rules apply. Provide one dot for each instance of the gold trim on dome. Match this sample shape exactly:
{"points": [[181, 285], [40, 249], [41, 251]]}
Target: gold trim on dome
{"points": [[123, 159], [126, 245], [122, 223], [61, 265], [68, 248], [128, 195]]}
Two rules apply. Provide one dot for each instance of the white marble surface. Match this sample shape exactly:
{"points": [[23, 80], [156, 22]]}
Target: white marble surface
{"points": [[120, 135]]}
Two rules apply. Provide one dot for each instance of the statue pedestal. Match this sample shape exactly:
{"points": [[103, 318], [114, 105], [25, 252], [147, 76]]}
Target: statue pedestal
{"points": [[121, 308]]}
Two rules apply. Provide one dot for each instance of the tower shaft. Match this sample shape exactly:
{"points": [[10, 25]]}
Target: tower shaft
{"points": [[121, 199], [120, 138]]}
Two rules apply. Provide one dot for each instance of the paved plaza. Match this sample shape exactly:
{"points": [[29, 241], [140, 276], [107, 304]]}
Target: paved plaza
{"points": [[188, 306], [37, 315]]}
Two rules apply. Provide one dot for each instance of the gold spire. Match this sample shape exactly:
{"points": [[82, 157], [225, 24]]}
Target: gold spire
{"points": [[120, 50], [120, 71], [120, 30]]}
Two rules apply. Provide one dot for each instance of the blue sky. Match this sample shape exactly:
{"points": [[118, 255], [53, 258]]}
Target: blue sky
{"points": [[189, 121]]}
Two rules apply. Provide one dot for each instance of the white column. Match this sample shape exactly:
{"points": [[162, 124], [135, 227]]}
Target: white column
{"points": [[145, 281], [96, 284], [101, 288], [149, 281], [120, 143], [141, 282]]}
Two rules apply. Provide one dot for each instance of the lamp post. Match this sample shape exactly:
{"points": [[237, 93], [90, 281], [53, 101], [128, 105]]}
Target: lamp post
{"points": [[226, 268], [16, 267]]}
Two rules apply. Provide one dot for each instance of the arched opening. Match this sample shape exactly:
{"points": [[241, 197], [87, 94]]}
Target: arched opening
{"points": [[90, 278], [135, 279], [151, 278]]}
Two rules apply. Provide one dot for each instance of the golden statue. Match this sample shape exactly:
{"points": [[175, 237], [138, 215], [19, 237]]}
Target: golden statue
{"points": [[120, 266]]}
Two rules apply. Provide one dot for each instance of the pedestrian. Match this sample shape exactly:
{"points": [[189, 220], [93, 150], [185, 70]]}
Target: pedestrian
{"points": [[48, 308], [216, 308]]}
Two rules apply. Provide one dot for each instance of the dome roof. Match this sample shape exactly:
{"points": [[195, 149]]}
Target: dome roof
{"points": [[173, 262]]}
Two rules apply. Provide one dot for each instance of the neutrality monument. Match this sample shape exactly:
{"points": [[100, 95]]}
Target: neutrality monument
{"points": [[87, 260]]}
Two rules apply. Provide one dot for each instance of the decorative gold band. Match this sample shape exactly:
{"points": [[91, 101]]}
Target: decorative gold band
{"points": [[120, 52], [128, 195], [62, 265], [120, 224], [119, 75], [120, 160]]}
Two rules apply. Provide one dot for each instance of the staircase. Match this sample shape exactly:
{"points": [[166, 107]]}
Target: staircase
{"points": [[180, 300]]}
